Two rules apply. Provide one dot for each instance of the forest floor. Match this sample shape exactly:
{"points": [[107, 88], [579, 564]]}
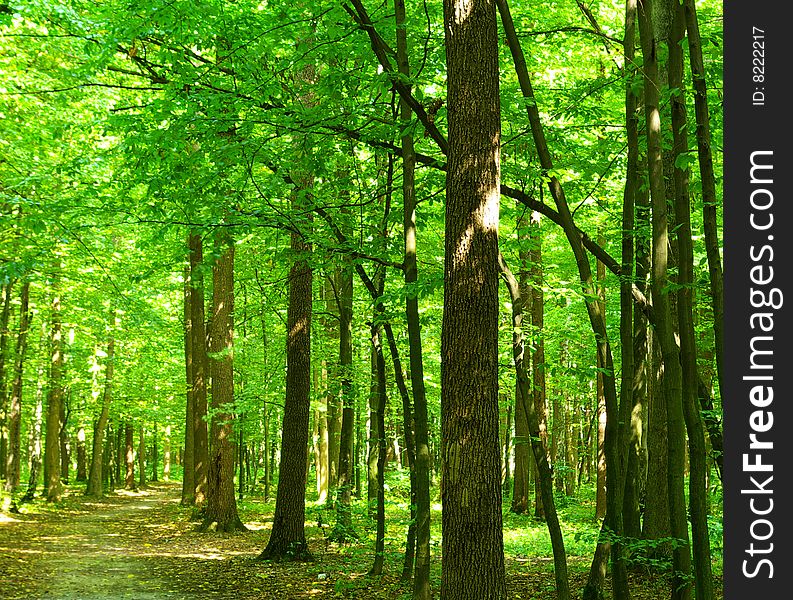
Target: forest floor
{"points": [[142, 546]]}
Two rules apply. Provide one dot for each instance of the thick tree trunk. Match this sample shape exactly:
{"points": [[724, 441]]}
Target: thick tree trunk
{"points": [[672, 380], [288, 539], [473, 561], [221, 509], [13, 460], [199, 372], [52, 466], [188, 462], [95, 478]]}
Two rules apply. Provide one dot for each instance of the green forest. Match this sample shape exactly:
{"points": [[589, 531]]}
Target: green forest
{"points": [[361, 299]]}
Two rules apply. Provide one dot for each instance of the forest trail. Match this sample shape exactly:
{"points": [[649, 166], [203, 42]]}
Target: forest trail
{"points": [[142, 546], [99, 550]]}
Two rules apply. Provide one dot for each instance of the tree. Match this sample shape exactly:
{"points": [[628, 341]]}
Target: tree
{"points": [[473, 564], [288, 539], [52, 466], [15, 407], [221, 510]]}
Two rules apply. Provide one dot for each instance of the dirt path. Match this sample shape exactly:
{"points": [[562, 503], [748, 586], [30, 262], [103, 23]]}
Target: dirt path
{"points": [[142, 546], [91, 551]]}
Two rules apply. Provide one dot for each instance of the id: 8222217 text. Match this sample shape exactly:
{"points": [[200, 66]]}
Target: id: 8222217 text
{"points": [[758, 66]]}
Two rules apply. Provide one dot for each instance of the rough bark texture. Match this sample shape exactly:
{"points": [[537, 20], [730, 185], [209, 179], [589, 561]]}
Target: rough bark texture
{"points": [[52, 466], [473, 561], [288, 539], [672, 380], [13, 469], [198, 371], [221, 509], [95, 478]]}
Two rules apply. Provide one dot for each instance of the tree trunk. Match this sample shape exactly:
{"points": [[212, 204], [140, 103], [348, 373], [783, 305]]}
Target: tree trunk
{"points": [[13, 460], [35, 455], [505, 474], [129, 456], [672, 380], [221, 509], [523, 459], [343, 529], [422, 458], [188, 462], [600, 485], [473, 561], [5, 316], [166, 451], [288, 539], [379, 550], [199, 372], [141, 457], [155, 454], [52, 465], [539, 451], [710, 200], [95, 478], [698, 493]]}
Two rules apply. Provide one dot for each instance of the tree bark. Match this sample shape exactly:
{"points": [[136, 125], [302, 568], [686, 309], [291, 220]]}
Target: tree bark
{"points": [[221, 509], [523, 458], [473, 562], [421, 471], [13, 460], [288, 539]]}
